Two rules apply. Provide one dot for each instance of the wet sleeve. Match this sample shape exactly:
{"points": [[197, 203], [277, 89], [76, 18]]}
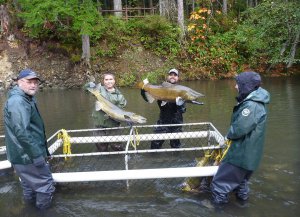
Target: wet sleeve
{"points": [[20, 123], [122, 101], [182, 108]]}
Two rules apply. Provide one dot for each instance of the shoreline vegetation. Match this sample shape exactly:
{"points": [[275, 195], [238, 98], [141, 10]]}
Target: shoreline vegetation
{"points": [[70, 44]]}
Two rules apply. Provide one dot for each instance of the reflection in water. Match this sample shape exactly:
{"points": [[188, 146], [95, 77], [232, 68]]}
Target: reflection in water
{"points": [[275, 186]]}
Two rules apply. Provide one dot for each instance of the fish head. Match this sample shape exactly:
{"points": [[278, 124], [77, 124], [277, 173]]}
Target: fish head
{"points": [[134, 118]]}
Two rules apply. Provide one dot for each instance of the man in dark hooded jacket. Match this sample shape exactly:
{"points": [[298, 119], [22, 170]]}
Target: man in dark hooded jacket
{"points": [[246, 133]]}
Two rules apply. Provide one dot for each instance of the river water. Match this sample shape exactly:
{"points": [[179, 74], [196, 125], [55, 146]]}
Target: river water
{"points": [[275, 188]]}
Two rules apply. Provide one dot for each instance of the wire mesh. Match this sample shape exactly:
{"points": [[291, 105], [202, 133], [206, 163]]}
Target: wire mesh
{"points": [[136, 152], [133, 153]]}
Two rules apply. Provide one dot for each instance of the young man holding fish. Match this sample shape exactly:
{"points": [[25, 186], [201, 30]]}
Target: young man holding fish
{"points": [[170, 113]]}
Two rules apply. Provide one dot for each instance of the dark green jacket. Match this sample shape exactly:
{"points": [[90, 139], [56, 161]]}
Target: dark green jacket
{"points": [[247, 130], [24, 128], [101, 119]]}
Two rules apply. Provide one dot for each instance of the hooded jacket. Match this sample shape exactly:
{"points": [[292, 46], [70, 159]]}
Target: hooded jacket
{"points": [[247, 128], [24, 128]]}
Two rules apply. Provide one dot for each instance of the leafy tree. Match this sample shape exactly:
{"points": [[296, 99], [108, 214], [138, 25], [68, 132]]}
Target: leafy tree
{"points": [[272, 30], [158, 34], [64, 20]]}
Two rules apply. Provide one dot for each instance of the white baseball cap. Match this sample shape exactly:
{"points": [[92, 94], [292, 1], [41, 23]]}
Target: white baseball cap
{"points": [[174, 71]]}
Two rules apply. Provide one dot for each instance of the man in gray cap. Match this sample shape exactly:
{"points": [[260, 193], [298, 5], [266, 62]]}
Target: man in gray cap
{"points": [[246, 133], [26, 142]]}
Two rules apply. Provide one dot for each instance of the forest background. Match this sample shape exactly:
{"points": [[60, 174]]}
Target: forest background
{"points": [[72, 41]]}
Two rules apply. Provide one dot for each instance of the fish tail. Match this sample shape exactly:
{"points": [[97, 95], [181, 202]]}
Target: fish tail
{"points": [[196, 94], [139, 85]]}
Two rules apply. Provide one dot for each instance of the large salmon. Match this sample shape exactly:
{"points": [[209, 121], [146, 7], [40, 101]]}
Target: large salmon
{"points": [[168, 92], [114, 111]]}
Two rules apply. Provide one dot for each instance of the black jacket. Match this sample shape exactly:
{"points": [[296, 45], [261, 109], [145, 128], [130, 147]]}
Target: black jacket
{"points": [[170, 113]]}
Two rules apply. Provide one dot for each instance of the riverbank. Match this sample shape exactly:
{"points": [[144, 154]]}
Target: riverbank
{"points": [[58, 71]]}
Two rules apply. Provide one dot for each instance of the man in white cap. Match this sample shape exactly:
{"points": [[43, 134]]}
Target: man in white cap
{"points": [[170, 113], [26, 142]]}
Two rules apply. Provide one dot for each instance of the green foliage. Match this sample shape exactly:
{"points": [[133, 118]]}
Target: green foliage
{"points": [[270, 30], [114, 29], [59, 18], [75, 58], [127, 79], [157, 34], [109, 52], [156, 76], [211, 47], [113, 34], [249, 43], [266, 35], [152, 77], [216, 43]]}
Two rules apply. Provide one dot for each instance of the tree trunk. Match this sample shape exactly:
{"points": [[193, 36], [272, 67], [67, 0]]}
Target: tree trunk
{"points": [[162, 7], [150, 4], [118, 8], [293, 50], [86, 54], [193, 5], [180, 18], [99, 7], [168, 9], [4, 19], [250, 3], [224, 9]]}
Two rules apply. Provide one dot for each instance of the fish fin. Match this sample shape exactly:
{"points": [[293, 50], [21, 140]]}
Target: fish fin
{"points": [[127, 118], [163, 103], [167, 84], [143, 93], [197, 103], [146, 96], [98, 106], [149, 97]]}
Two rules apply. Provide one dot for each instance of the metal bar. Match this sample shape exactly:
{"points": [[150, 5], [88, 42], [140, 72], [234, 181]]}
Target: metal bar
{"points": [[181, 172], [141, 137], [5, 164], [137, 151], [2, 149]]}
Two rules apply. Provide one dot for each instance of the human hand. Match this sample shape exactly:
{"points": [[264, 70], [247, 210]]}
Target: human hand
{"points": [[39, 161], [179, 101], [91, 85], [49, 157]]}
